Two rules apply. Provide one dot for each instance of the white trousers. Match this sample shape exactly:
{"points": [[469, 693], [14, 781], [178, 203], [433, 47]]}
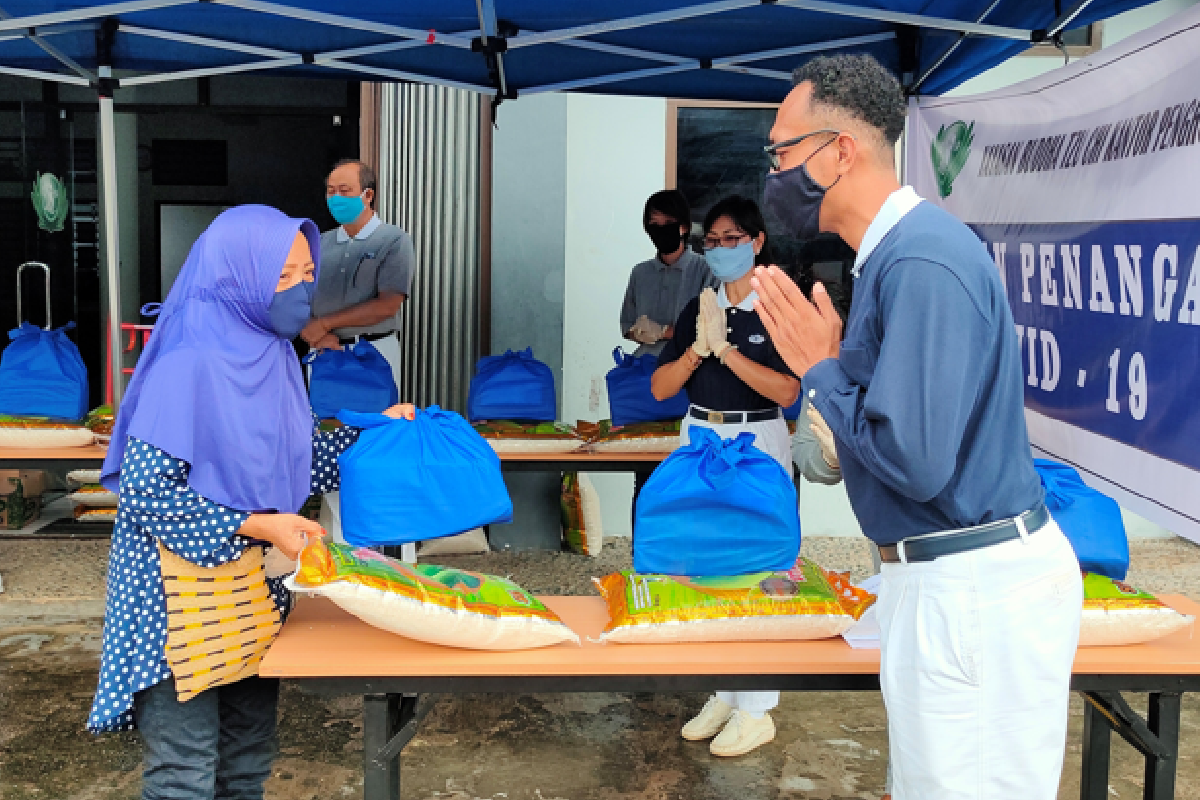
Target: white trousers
{"points": [[331, 520], [770, 436], [389, 348], [977, 651]]}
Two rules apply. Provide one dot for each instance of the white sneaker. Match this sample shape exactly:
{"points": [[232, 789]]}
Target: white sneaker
{"points": [[742, 734], [709, 722]]}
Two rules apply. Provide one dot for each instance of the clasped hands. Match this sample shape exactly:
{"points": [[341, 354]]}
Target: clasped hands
{"points": [[711, 332]]}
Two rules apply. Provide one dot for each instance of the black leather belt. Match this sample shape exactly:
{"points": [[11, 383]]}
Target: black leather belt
{"points": [[927, 548], [734, 417], [370, 337]]}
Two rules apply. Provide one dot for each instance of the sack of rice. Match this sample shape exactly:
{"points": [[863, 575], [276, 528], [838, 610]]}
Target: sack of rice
{"points": [[1116, 613], [432, 604], [94, 495], [642, 437], [82, 477], [582, 526], [29, 432], [506, 436], [473, 542], [88, 514], [795, 605]]}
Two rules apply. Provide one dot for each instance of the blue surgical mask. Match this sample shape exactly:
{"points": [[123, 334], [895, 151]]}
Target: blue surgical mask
{"points": [[291, 310], [795, 198], [345, 209], [730, 263]]}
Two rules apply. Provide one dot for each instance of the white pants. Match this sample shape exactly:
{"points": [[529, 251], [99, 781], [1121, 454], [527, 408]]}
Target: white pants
{"points": [[977, 651], [389, 348], [770, 436], [331, 519]]}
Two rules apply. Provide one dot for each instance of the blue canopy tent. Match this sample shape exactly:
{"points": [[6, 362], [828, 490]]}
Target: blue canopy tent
{"points": [[722, 50]]}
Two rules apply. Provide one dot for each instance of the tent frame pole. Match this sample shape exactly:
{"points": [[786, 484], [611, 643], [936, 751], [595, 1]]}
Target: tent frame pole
{"points": [[112, 245]]}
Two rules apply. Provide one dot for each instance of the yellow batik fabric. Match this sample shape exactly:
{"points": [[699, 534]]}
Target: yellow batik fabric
{"points": [[220, 620]]}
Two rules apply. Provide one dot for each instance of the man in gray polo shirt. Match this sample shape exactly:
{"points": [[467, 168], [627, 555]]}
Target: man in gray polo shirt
{"points": [[660, 287], [366, 269]]}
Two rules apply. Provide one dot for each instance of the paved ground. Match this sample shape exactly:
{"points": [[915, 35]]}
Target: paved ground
{"points": [[539, 747]]}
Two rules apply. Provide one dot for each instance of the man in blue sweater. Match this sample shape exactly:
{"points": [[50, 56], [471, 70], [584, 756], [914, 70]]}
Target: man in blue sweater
{"points": [[981, 592]]}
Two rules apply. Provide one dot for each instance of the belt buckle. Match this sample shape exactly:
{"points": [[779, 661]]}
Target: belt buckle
{"points": [[716, 418]]}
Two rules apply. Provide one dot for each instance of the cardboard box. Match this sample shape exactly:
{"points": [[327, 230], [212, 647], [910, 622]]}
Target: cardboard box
{"points": [[20, 497], [33, 482]]}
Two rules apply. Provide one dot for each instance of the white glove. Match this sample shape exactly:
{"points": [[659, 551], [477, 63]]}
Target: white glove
{"points": [[700, 346], [824, 436], [646, 330], [712, 319]]}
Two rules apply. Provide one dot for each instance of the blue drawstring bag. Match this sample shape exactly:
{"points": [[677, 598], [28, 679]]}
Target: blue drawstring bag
{"points": [[512, 386], [716, 507], [629, 397], [42, 375], [411, 480], [1091, 520], [355, 378]]}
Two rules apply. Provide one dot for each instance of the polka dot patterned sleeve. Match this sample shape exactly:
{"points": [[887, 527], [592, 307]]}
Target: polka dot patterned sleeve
{"points": [[155, 492], [327, 446]]}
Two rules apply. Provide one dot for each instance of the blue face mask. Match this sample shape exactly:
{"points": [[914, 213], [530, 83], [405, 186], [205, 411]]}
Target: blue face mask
{"points": [[345, 209], [291, 310], [730, 263]]}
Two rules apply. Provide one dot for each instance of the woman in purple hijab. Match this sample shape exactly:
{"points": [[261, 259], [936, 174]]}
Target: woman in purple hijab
{"points": [[214, 451]]}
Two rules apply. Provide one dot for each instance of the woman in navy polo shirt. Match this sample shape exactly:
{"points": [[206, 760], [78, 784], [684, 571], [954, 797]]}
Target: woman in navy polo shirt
{"points": [[737, 383]]}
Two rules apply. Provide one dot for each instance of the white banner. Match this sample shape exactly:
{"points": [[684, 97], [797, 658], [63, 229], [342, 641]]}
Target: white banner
{"points": [[1084, 184]]}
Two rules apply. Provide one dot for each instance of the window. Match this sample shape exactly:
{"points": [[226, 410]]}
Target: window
{"points": [[1078, 41], [715, 150]]}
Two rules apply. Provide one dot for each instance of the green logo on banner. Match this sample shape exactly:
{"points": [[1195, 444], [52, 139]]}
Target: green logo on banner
{"points": [[949, 152], [50, 202]]}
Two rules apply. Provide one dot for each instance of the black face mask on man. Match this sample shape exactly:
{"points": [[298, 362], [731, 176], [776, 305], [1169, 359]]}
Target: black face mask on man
{"points": [[666, 238], [795, 198]]}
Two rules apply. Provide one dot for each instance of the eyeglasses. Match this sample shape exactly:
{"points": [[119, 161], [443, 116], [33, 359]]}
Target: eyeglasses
{"points": [[732, 240], [772, 150]]}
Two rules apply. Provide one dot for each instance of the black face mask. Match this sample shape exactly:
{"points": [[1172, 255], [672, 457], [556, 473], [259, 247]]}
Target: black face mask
{"points": [[666, 238], [795, 198]]}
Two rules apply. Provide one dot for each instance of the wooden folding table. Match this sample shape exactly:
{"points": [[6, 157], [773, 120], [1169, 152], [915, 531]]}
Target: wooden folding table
{"points": [[324, 647]]}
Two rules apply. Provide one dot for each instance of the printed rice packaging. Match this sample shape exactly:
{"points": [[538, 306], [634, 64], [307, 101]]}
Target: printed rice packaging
{"points": [[795, 605], [1116, 613], [506, 436], [42, 432], [432, 604], [94, 495], [582, 525], [89, 514], [642, 437]]}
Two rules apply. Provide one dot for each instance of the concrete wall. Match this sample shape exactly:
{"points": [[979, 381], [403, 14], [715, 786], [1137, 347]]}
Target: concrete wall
{"points": [[616, 158], [529, 202]]}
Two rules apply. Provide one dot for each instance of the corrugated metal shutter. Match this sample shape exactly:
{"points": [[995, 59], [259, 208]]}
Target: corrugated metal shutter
{"points": [[429, 185]]}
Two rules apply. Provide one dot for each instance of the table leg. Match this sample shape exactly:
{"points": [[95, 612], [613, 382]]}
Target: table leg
{"points": [[1097, 749], [1163, 721], [381, 721]]}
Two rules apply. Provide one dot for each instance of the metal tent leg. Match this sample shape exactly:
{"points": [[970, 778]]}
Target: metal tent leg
{"points": [[112, 249], [390, 721]]}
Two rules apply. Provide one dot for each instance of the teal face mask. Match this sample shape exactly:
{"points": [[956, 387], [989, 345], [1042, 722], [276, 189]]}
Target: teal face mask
{"points": [[345, 209]]}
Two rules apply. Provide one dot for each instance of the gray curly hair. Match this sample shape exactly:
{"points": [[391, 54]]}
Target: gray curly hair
{"points": [[858, 86]]}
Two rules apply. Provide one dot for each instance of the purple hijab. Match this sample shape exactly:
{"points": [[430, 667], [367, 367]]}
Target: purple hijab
{"points": [[216, 386]]}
